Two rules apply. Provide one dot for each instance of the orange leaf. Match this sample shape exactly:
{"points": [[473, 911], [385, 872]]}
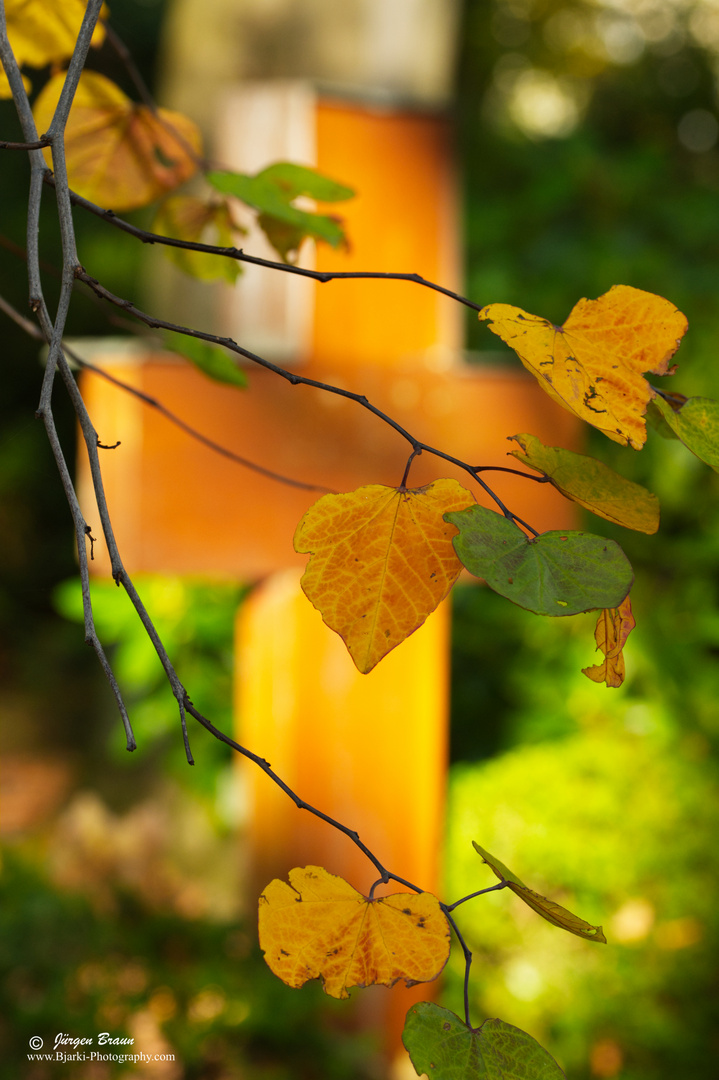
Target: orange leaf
{"points": [[120, 154], [614, 626], [381, 561], [319, 927], [594, 364], [45, 31]]}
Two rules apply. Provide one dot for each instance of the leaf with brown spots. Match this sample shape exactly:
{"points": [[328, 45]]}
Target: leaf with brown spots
{"points": [[381, 561], [319, 927], [594, 364], [614, 626]]}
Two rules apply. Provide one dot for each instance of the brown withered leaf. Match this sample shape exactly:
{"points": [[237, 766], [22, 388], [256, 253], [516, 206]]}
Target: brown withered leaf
{"points": [[614, 626]]}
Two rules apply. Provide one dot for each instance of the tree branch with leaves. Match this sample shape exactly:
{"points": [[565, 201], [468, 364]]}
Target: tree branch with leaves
{"points": [[381, 558]]}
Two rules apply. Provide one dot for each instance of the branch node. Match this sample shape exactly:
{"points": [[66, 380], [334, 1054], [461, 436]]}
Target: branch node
{"points": [[91, 538]]}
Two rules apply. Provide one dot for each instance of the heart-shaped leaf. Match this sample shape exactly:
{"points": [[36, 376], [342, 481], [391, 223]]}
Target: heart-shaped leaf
{"points": [[381, 561], [319, 927], [555, 573], [442, 1047], [120, 154]]}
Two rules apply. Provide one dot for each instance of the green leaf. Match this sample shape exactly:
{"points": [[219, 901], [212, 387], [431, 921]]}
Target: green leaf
{"points": [[444, 1048], [555, 573], [548, 909], [696, 423], [285, 239], [657, 423], [272, 192], [297, 180], [212, 360], [185, 217], [592, 484]]}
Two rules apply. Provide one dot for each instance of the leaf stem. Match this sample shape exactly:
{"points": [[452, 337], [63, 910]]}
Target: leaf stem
{"points": [[480, 892], [467, 961]]}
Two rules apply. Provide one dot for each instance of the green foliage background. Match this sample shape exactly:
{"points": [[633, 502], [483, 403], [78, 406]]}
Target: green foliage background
{"points": [[604, 800]]}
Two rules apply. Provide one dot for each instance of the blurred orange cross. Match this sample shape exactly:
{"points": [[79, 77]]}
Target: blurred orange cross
{"points": [[369, 750]]}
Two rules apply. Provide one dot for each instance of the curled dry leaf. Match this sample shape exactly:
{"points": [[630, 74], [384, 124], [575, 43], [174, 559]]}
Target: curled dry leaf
{"points": [[120, 154], [614, 626], [594, 364], [319, 927], [548, 909], [381, 561]]}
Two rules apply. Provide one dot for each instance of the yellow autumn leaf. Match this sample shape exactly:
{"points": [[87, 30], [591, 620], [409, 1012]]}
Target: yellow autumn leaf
{"points": [[319, 927], [614, 626], [381, 561], [594, 364], [548, 909], [120, 154], [45, 31], [5, 91]]}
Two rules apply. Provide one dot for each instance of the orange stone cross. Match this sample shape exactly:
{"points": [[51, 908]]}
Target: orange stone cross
{"points": [[369, 750]]}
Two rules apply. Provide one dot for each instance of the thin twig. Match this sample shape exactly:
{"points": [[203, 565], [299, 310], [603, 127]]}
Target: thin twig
{"points": [[266, 768], [30, 328], [479, 892], [467, 963], [34, 331], [298, 380], [38, 144], [121, 50], [322, 276], [81, 532], [193, 432]]}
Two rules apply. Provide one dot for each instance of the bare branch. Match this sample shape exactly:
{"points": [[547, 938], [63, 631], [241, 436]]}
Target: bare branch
{"points": [[153, 403], [322, 276], [299, 380], [38, 144], [75, 68]]}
